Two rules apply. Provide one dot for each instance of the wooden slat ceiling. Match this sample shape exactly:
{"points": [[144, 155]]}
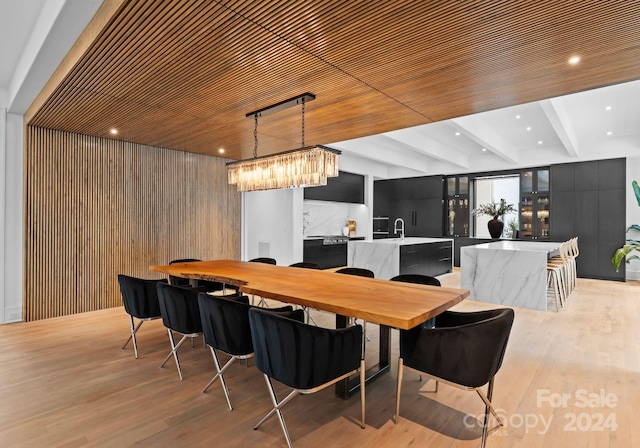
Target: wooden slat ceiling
{"points": [[182, 74]]}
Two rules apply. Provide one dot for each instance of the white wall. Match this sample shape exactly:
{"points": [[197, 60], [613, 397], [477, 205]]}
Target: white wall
{"points": [[633, 213], [273, 225], [11, 234]]}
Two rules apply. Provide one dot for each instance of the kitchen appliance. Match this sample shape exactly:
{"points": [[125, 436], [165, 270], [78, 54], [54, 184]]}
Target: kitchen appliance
{"points": [[380, 227]]}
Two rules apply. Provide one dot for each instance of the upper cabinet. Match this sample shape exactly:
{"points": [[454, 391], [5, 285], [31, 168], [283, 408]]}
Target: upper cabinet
{"points": [[416, 200], [346, 187], [457, 194], [534, 204]]}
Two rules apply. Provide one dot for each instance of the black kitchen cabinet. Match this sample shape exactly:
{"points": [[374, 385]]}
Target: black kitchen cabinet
{"points": [[324, 255], [431, 259], [457, 213], [535, 200], [589, 201], [346, 187], [417, 200]]}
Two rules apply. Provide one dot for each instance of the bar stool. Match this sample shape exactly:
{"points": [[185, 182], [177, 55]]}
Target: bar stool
{"points": [[556, 277]]}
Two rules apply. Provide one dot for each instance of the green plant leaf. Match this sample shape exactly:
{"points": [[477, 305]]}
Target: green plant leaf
{"points": [[634, 227], [636, 189]]}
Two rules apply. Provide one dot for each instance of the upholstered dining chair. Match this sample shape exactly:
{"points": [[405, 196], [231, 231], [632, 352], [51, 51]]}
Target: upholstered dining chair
{"points": [[180, 314], [419, 279], [265, 260], [225, 324], [464, 350], [306, 265], [303, 357], [205, 285], [360, 272], [140, 300]]}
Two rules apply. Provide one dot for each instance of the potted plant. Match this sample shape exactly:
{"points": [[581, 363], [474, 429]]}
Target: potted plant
{"points": [[495, 210], [631, 245]]}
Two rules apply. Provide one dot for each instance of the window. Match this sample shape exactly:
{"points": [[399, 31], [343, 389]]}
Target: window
{"points": [[492, 189]]}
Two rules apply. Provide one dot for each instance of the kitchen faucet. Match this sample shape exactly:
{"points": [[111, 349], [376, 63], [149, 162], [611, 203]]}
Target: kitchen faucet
{"points": [[401, 229]]}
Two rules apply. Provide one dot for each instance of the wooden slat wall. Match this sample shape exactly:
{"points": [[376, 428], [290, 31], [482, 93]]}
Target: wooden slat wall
{"points": [[97, 207]]}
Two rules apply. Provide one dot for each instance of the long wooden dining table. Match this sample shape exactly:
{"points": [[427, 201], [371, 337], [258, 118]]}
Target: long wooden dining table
{"points": [[389, 304]]}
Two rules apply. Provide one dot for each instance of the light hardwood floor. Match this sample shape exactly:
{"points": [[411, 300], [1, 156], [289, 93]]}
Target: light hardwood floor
{"points": [[65, 382]]}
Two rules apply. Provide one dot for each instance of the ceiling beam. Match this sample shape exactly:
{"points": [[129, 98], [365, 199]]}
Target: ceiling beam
{"points": [[384, 149], [422, 143], [479, 131], [559, 118]]}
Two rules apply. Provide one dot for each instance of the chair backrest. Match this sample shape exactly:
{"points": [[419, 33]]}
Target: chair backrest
{"points": [[179, 308], [361, 272], [139, 296], [464, 348], [265, 260], [180, 281], [305, 265], [225, 322], [416, 278], [299, 355]]}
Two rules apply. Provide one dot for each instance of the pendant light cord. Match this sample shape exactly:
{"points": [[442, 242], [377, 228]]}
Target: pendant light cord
{"points": [[255, 137], [302, 123]]}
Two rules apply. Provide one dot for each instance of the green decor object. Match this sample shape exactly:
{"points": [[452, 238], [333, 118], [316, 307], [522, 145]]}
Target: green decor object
{"points": [[495, 210], [631, 245]]}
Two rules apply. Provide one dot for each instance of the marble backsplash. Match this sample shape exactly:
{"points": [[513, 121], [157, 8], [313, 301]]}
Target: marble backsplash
{"points": [[329, 218]]}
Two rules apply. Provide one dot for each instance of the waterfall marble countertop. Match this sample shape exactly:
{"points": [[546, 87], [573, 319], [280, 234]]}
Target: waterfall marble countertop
{"points": [[512, 273], [545, 246], [407, 241]]}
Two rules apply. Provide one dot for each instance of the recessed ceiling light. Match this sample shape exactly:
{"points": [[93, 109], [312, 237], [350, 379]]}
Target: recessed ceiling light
{"points": [[608, 108], [528, 128], [540, 142], [609, 133], [573, 60], [457, 134], [221, 150], [113, 131], [517, 117], [484, 149]]}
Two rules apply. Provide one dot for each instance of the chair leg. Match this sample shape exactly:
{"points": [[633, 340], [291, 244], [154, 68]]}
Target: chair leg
{"points": [[220, 374], [174, 351], [488, 409], [362, 392], [277, 408], [132, 336], [399, 388]]}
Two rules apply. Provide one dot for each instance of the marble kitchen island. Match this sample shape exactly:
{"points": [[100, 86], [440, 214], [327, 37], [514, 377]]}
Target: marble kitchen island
{"points": [[389, 257], [512, 273]]}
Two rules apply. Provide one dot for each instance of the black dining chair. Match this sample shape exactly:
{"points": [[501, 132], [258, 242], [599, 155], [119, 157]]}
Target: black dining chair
{"points": [[181, 314], [140, 300], [225, 324], [419, 279], [360, 272], [306, 265], [303, 357], [265, 260], [204, 285], [464, 350]]}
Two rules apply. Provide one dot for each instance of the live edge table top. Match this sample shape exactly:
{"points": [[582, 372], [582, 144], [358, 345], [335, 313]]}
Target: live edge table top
{"points": [[395, 304]]}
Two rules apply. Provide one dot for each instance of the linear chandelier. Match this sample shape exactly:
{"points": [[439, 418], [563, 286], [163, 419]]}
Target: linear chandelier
{"points": [[309, 166]]}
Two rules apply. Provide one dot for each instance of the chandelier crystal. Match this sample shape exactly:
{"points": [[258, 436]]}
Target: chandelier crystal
{"points": [[304, 167], [308, 166]]}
